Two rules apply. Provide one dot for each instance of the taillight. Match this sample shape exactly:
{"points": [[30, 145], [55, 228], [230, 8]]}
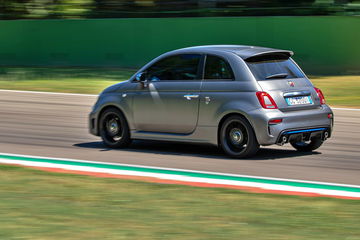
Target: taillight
{"points": [[320, 95], [266, 101]]}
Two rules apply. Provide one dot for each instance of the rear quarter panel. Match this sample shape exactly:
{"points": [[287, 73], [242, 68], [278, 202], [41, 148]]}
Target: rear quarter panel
{"points": [[227, 97]]}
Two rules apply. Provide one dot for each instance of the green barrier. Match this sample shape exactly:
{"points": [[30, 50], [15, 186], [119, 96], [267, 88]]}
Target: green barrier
{"points": [[322, 45]]}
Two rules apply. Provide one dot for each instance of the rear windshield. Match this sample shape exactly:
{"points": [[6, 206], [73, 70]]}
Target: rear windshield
{"points": [[274, 68]]}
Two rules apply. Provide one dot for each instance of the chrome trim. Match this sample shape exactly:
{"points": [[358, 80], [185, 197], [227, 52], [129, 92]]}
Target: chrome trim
{"points": [[297, 93], [207, 100], [191, 96]]}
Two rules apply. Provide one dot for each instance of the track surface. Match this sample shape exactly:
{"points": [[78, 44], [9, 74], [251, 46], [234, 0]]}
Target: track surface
{"points": [[55, 125]]}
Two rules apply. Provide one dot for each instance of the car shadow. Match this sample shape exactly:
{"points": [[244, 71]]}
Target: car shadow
{"points": [[195, 150]]}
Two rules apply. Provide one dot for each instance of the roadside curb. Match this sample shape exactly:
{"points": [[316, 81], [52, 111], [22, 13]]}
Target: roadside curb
{"points": [[186, 177]]}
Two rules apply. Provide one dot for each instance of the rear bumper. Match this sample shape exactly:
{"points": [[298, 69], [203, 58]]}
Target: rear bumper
{"points": [[307, 122], [304, 135]]}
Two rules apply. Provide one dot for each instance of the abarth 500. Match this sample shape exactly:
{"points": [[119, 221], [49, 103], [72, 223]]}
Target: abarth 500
{"points": [[236, 97]]}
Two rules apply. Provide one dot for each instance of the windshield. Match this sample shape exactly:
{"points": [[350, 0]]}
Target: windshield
{"points": [[274, 69]]}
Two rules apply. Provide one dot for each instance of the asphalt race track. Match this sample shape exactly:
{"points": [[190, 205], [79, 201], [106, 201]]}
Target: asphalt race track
{"points": [[55, 125]]}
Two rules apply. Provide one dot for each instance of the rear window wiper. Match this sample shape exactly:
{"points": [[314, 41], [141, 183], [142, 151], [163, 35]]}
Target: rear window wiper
{"points": [[277, 75]]}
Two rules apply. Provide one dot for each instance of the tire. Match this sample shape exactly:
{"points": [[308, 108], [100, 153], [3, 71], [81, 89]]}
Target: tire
{"points": [[114, 129], [314, 143], [237, 138]]}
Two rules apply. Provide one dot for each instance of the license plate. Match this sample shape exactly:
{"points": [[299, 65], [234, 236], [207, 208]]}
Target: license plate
{"points": [[298, 100]]}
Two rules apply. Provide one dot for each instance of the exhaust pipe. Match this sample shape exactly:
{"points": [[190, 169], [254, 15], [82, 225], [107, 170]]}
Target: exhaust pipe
{"points": [[283, 140], [326, 135]]}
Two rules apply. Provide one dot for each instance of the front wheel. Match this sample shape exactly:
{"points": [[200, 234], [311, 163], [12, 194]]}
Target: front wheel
{"points": [[309, 146], [237, 138], [114, 129]]}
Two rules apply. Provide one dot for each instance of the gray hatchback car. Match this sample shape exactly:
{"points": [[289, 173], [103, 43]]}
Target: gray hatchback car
{"points": [[236, 97]]}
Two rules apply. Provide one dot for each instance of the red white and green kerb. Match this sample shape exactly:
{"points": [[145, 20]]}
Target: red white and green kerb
{"points": [[186, 177]]}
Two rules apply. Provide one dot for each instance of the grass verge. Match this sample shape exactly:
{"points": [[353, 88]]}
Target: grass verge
{"points": [[339, 90], [68, 80], [42, 205]]}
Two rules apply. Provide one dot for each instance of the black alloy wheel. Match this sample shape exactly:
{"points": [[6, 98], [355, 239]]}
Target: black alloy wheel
{"points": [[237, 138], [114, 129]]}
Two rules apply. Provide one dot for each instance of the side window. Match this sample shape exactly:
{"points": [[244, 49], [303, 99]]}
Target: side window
{"points": [[217, 68], [178, 67]]}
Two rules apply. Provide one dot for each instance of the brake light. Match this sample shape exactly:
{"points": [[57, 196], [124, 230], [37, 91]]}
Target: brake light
{"points": [[266, 101], [320, 95]]}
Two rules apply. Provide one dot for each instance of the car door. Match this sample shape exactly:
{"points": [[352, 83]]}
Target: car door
{"points": [[169, 101]]}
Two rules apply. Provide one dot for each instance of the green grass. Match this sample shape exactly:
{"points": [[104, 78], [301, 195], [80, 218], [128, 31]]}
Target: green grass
{"points": [[339, 90], [68, 80], [42, 205]]}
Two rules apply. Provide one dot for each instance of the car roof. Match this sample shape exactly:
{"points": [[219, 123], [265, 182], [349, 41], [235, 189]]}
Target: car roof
{"points": [[244, 51]]}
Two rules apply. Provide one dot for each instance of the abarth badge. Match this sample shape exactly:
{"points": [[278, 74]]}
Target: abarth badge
{"points": [[291, 83]]}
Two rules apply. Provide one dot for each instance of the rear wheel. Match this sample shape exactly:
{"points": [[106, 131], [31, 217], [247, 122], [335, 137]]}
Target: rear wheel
{"points": [[309, 146], [237, 138], [114, 129]]}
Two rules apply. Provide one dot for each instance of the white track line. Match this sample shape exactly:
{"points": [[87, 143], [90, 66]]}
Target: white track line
{"points": [[346, 109], [94, 95], [52, 93]]}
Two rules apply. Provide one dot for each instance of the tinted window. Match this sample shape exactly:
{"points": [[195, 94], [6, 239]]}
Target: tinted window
{"points": [[179, 67], [274, 69], [217, 68]]}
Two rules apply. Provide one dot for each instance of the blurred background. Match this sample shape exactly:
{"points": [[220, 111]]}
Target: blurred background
{"points": [[62, 9], [105, 41]]}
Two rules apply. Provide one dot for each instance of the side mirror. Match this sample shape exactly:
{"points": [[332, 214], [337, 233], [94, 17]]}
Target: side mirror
{"points": [[140, 77]]}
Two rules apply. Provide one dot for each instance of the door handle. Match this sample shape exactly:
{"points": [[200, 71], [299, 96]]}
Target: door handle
{"points": [[191, 96]]}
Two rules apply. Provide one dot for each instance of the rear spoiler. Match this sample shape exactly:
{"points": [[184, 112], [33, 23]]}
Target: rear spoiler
{"points": [[267, 55]]}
